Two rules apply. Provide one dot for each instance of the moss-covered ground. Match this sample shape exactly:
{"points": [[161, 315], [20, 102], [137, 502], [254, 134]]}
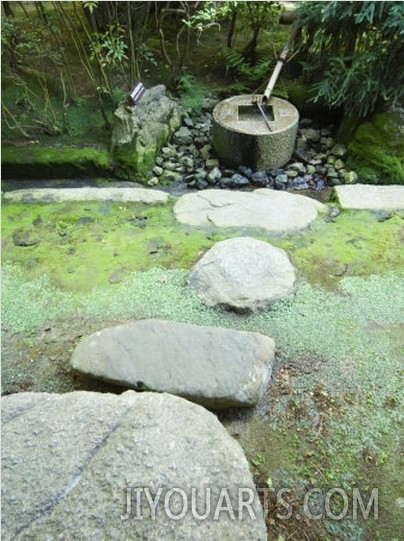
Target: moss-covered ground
{"points": [[93, 243], [331, 416], [376, 151]]}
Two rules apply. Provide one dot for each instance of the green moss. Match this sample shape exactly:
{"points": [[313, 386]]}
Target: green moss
{"points": [[134, 161], [92, 243], [376, 151], [53, 161], [357, 243]]}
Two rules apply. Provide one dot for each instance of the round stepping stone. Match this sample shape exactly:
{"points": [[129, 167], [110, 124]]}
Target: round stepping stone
{"points": [[272, 210], [243, 274]]}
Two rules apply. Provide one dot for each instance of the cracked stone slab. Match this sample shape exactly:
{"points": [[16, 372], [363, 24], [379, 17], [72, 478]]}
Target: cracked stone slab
{"points": [[370, 197], [243, 274], [56, 195], [70, 462], [212, 366], [272, 210]]}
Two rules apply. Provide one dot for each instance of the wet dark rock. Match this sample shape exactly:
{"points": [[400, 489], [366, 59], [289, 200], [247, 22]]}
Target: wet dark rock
{"points": [[188, 122], [189, 178], [311, 135], [237, 181], [331, 173], [200, 174], [201, 184], [306, 122], [339, 150], [321, 170], [302, 155], [260, 179], [325, 132], [317, 160], [245, 171], [299, 167], [320, 184], [298, 183], [214, 176], [339, 164], [281, 181], [275, 172], [183, 136], [350, 177]]}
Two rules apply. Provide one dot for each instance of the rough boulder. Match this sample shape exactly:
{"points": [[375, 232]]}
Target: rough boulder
{"points": [[243, 274], [212, 366], [140, 131], [97, 466]]}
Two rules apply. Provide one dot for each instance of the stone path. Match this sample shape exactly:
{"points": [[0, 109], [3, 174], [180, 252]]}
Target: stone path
{"points": [[72, 462], [274, 211], [370, 197], [211, 366], [243, 274], [54, 195]]}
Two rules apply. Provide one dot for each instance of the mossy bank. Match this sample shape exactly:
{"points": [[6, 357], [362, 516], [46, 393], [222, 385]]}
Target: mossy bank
{"points": [[376, 151], [59, 161]]}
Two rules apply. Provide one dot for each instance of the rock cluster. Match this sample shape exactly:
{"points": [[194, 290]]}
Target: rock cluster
{"points": [[318, 161]]}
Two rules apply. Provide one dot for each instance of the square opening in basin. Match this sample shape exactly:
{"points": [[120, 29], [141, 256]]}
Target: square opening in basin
{"points": [[251, 112]]}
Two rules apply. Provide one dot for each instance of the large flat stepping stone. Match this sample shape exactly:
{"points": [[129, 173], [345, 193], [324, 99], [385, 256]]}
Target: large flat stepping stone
{"points": [[243, 274], [211, 366], [274, 211], [56, 195], [370, 197], [85, 465]]}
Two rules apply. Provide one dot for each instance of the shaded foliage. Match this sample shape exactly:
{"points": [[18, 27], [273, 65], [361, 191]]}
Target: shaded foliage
{"points": [[354, 53]]}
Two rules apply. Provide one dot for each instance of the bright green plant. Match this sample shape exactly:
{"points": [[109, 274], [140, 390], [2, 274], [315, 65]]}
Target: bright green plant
{"points": [[110, 51]]}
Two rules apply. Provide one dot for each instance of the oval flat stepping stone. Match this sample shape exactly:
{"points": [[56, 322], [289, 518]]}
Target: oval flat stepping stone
{"points": [[370, 197], [243, 274], [212, 366], [85, 465], [272, 210], [55, 195]]}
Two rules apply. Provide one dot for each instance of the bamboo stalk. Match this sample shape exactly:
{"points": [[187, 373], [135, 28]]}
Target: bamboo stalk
{"points": [[279, 65]]}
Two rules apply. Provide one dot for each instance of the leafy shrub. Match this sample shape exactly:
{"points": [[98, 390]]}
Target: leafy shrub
{"points": [[354, 50]]}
